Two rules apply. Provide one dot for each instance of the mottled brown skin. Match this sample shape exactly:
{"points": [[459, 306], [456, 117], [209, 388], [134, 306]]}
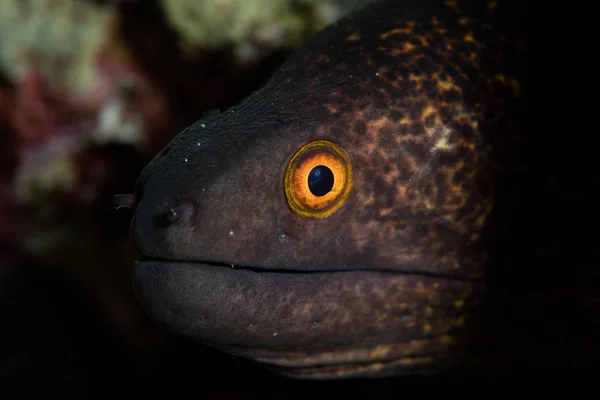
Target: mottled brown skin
{"points": [[426, 267]]}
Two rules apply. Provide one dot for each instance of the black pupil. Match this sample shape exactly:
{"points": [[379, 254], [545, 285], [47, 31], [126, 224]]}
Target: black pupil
{"points": [[320, 180]]}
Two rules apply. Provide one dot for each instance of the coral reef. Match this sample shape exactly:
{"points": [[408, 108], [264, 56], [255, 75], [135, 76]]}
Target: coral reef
{"points": [[60, 37], [252, 27], [75, 84]]}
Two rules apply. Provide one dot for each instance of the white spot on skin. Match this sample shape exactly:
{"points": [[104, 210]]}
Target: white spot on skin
{"points": [[198, 144], [442, 142], [275, 334], [202, 125], [186, 160], [230, 233]]}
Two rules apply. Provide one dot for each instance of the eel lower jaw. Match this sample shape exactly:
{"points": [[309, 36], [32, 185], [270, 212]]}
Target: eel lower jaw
{"points": [[329, 324]]}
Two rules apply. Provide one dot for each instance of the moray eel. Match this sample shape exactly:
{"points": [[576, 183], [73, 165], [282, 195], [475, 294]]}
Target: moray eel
{"points": [[367, 211]]}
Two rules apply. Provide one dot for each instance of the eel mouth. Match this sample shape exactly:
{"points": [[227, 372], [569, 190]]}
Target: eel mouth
{"points": [[269, 269], [309, 324], [166, 261]]}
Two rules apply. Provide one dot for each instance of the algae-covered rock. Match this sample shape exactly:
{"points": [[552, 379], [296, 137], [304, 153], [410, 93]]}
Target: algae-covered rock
{"points": [[59, 36], [246, 23]]}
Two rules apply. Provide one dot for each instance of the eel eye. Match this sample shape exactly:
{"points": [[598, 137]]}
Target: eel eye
{"points": [[318, 179]]}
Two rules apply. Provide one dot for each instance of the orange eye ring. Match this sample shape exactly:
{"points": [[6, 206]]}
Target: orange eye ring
{"points": [[320, 153]]}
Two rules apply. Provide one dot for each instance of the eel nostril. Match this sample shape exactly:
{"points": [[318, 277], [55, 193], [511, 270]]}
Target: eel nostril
{"points": [[173, 215], [123, 201], [180, 213]]}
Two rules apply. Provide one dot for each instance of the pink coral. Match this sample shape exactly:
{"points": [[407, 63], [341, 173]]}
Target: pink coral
{"points": [[123, 106], [56, 136]]}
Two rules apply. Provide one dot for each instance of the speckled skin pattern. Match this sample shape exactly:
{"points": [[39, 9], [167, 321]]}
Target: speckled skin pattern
{"points": [[429, 101]]}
